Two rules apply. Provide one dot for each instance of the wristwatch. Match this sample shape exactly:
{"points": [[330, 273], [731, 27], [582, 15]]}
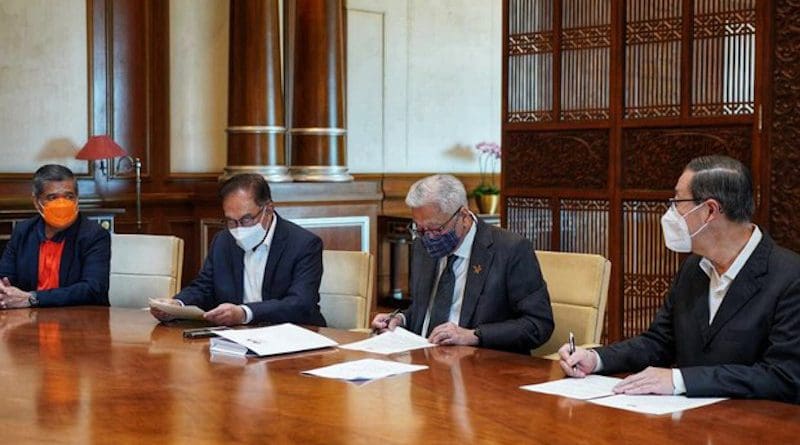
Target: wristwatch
{"points": [[33, 300], [478, 334]]}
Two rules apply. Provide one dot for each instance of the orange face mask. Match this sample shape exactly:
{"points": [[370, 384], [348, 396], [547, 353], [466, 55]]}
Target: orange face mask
{"points": [[60, 213]]}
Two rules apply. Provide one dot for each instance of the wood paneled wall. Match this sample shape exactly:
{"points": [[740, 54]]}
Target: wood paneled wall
{"points": [[605, 101]]}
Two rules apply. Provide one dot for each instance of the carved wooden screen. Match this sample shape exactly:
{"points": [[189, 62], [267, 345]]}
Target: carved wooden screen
{"points": [[605, 101]]}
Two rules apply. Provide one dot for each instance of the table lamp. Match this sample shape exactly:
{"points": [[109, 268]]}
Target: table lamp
{"points": [[102, 147]]}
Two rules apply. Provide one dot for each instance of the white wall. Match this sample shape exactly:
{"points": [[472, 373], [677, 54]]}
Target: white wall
{"points": [[423, 86], [44, 97], [198, 101]]}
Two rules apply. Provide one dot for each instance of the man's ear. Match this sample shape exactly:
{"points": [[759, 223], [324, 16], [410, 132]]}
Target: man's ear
{"points": [[714, 209]]}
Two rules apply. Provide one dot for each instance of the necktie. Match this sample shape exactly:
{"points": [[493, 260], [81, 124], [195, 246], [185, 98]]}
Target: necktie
{"points": [[440, 312]]}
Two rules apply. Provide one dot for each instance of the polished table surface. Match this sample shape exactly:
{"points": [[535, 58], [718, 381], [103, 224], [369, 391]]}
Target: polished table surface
{"points": [[100, 375]]}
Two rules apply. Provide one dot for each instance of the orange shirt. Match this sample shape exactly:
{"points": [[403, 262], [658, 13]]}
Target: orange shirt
{"points": [[49, 264]]}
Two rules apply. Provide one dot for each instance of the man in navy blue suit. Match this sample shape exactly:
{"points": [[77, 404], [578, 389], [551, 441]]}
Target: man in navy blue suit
{"points": [[57, 258], [263, 269]]}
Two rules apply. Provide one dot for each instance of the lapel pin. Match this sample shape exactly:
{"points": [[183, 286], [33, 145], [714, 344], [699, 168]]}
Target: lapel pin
{"points": [[477, 268]]}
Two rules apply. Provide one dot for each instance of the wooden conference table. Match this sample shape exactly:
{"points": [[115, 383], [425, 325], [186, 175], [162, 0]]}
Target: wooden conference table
{"points": [[100, 375]]}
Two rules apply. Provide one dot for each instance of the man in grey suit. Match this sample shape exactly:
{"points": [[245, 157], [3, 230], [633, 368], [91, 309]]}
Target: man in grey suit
{"points": [[730, 325], [472, 283]]}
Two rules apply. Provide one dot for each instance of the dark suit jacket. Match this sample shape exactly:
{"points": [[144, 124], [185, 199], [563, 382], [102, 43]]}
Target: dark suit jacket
{"points": [[751, 350], [292, 276], [84, 269], [505, 294]]}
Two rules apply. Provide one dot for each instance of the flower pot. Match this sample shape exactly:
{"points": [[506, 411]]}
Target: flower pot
{"points": [[487, 204]]}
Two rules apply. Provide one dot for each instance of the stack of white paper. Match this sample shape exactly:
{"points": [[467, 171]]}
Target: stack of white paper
{"points": [[599, 390], [366, 369], [591, 387], [653, 404], [271, 340], [178, 311], [390, 342]]}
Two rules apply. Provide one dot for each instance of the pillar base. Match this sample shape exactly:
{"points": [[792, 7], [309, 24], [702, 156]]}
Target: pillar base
{"points": [[320, 173], [272, 173]]}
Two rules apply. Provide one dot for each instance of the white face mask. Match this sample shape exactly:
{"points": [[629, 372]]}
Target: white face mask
{"points": [[676, 231], [249, 237]]}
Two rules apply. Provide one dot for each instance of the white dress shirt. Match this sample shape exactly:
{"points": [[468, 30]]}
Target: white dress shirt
{"points": [[460, 266], [255, 264]]}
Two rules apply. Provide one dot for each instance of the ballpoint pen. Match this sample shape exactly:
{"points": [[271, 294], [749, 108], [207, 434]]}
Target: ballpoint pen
{"points": [[572, 348]]}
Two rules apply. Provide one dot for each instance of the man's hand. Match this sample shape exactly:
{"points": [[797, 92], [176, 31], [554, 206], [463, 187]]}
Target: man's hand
{"points": [[161, 315], [650, 381], [386, 322], [451, 334], [226, 314], [578, 364], [12, 297]]}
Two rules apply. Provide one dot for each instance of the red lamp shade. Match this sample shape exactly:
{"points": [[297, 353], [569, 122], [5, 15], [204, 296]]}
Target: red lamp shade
{"points": [[100, 147]]}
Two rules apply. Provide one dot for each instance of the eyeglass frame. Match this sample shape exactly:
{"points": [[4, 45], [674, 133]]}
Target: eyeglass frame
{"points": [[416, 233], [241, 221]]}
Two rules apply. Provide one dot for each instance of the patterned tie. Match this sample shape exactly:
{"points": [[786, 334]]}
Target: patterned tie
{"points": [[440, 312]]}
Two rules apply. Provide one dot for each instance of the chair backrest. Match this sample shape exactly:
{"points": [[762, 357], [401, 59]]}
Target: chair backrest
{"points": [[143, 267], [346, 289], [578, 288]]}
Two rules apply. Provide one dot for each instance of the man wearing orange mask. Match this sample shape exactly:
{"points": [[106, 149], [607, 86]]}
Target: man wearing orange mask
{"points": [[57, 258]]}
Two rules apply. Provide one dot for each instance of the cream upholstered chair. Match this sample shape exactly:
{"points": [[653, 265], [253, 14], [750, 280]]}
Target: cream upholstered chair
{"points": [[346, 289], [143, 267], [578, 287]]}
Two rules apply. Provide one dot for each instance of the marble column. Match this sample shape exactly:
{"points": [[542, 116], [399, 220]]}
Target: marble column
{"points": [[316, 69], [256, 124]]}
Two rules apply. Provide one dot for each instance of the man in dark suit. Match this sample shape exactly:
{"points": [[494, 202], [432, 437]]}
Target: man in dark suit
{"points": [[57, 258], [730, 325], [472, 283], [262, 269]]}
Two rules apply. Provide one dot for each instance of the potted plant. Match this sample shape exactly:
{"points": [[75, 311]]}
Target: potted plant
{"points": [[487, 193]]}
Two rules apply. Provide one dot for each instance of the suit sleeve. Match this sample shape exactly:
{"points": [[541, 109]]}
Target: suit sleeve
{"points": [[8, 262], [654, 347], [300, 304], [775, 376], [93, 285], [200, 292], [527, 294]]}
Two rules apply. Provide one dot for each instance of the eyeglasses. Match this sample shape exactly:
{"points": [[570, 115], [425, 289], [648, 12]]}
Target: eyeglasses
{"points": [[417, 232], [672, 201], [245, 221]]}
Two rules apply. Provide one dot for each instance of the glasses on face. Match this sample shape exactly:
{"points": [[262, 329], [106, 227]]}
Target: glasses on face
{"points": [[245, 221], [672, 201], [417, 231]]}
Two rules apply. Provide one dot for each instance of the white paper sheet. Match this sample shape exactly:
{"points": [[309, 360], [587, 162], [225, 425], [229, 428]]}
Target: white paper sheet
{"points": [[390, 342], [591, 387], [653, 404], [177, 311], [366, 369], [272, 340]]}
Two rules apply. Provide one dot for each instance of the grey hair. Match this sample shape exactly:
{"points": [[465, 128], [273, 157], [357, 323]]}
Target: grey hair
{"points": [[726, 180], [51, 173], [443, 191]]}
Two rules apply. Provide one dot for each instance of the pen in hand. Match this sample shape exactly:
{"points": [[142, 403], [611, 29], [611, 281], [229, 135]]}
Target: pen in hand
{"points": [[572, 348], [389, 318]]}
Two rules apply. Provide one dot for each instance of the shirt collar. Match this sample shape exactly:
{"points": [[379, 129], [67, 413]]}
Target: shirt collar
{"points": [[270, 233], [465, 249], [740, 260]]}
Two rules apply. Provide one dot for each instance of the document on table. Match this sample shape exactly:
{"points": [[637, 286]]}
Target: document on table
{"points": [[366, 369], [598, 389], [591, 387], [653, 404], [271, 340], [178, 311], [390, 342]]}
